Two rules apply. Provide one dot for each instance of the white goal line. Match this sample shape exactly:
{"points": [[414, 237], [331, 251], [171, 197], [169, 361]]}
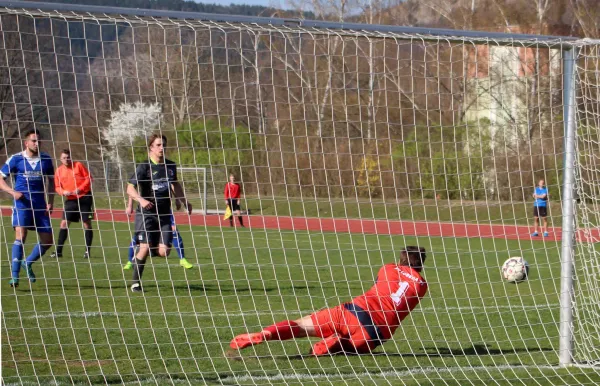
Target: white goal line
{"points": [[383, 374], [254, 379]]}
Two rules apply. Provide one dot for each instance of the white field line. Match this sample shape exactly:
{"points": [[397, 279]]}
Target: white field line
{"points": [[396, 375], [95, 314]]}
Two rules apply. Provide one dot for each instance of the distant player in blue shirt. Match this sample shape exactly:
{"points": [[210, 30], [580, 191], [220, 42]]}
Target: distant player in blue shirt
{"points": [[33, 176], [540, 208]]}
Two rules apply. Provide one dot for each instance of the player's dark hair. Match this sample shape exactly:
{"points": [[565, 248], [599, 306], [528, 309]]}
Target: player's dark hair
{"points": [[66, 151], [29, 132], [156, 136], [413, 257]]}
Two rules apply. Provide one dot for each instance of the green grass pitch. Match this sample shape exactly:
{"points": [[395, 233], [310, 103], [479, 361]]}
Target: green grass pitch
{"points": [[80, 324]]}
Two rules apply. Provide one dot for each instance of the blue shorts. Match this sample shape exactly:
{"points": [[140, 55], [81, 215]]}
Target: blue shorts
{"points": [[35, 219]]}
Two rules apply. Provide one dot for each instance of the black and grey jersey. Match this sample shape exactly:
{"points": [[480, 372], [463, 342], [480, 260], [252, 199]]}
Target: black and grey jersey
{"points": [[153, 181]]}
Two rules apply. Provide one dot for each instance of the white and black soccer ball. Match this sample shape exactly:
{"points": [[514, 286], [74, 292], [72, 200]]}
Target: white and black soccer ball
{"points": [[515, 270]]}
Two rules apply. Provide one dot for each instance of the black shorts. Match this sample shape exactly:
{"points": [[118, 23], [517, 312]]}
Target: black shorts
{"points": [[540, 211], [153, 229], [79, 209], [233, 204]]}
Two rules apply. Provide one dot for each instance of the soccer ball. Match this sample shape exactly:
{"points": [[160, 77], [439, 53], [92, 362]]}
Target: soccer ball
{"points": [[515, 270]]}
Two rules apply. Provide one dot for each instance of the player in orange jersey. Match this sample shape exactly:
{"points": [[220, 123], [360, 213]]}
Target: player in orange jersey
{"points": [[363, 324], [74, 183]]}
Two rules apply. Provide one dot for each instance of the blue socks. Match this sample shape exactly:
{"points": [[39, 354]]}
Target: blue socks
{"points": [[131, 250], [37, 252], [178, 244], [17, 256]]}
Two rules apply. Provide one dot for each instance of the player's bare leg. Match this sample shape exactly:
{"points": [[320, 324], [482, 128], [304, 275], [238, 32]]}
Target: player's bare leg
{"points": [[535, 226], [164, 250]]}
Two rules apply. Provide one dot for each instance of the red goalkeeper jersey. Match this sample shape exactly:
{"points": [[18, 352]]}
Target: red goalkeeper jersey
{"points": [[232, 190], [396, 293]]}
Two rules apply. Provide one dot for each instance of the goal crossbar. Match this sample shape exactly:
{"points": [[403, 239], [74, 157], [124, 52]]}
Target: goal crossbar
{"points": [[314, 26]]}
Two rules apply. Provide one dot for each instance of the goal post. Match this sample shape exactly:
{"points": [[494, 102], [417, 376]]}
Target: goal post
{"points": [[194, 183], [349, 142], [569, 219]]}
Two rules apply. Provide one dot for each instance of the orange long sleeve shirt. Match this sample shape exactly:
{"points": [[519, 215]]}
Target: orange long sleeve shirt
{"points": [[68, 179]]}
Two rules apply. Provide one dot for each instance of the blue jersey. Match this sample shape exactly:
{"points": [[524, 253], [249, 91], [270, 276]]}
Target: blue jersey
{"points": [[541, 201], [28, 178]]}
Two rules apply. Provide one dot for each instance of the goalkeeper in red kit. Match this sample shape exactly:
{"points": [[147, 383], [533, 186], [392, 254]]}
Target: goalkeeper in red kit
{"points": [[363, 324]]}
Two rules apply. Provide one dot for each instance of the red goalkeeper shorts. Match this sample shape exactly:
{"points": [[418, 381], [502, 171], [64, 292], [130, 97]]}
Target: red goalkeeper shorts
{"points": [[338, 320]]}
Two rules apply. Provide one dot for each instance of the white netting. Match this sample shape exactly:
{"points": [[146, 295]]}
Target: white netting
{"points": [[348, 145], [587, 263]]}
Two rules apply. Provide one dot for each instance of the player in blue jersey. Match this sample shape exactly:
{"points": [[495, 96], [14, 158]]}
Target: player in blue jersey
{"points": [[540, 208], [33, 176]]}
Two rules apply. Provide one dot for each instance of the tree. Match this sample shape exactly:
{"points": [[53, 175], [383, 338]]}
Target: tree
{"points": [[444, 160], [210, 144], [587, 14], [126, 125], [21, 106]]}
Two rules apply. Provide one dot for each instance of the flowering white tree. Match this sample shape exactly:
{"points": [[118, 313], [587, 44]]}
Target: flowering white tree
{"points": [[130, 122]]}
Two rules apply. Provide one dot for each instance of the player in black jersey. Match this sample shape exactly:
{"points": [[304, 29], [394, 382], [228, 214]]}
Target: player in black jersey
{"points": [[153, 185]]}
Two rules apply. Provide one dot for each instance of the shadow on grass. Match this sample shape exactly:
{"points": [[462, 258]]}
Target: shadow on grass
{"points": [[430, 352], [475, 350], [221, 289], [153, 287]]}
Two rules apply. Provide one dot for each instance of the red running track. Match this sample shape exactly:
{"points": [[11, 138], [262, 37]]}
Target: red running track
{"points": [[369, 226]]}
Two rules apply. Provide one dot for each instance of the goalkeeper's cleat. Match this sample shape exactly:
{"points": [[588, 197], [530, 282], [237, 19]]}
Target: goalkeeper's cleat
{"points": [[55, 255], [185, 264], [14, 283], [546, 234], [128, 266], [136, 287], [327, 346], [245, 340], [29, 271], [86, 255], [535, 234]]}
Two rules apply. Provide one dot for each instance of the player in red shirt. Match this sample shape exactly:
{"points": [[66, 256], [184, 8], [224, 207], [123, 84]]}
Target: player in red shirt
{"points": [[366, 322], [232, 194]]}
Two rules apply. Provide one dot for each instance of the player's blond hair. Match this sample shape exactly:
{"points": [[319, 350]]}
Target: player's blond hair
{"points": [[154, 137], [413, 257]]}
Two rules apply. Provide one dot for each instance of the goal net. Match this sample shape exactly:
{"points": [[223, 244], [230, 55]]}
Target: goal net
{"points": [[349, 143], [194, 183], [587, 257]]}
